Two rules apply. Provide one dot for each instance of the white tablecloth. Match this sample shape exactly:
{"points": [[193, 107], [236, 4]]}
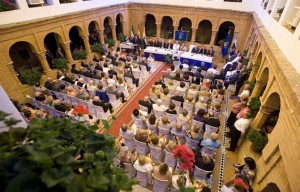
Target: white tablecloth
{"points": [[181, 54]]}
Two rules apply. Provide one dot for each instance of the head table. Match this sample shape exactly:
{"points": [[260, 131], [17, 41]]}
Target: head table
{"points": [[159, 55]]}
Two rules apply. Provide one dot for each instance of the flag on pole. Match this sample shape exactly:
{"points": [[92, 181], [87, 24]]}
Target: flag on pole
{"points": [[225, 45], [132, 32], [139, 31], [234, 45], [144, 38]]}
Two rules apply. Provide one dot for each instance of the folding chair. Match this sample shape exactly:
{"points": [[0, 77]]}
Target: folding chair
{"points": [[157, 154], [160, 185], [200, 173]]}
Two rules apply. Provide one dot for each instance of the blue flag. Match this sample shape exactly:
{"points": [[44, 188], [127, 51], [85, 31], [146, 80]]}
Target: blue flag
{"points": [[226, 44]]}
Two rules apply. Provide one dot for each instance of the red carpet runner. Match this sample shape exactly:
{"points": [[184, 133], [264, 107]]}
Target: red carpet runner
{"points": [[124, 115]]}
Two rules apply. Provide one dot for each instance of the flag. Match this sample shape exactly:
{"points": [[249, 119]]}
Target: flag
{"points": [[144, 38], [139, 31], [132, 32], [234, 45], [225, 45]]}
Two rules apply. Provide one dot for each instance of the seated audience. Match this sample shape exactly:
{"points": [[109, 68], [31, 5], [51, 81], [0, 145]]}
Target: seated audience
{"points": [[146, 103], [162, 172], [211, 142], [171, 109], [158, 106], [126, 131], [204, 162], [106, 106], [195, 133], [199, 116]]}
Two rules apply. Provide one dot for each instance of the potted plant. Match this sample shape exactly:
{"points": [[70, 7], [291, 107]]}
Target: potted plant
{"points": [[59, 155], [121, 37], [110, 42], [60, 64], [80, 55], [7, 5], [254, 105], [258, 140], [31, 77], [97, 48], [168, 59], [279, 11], [251, 84]]}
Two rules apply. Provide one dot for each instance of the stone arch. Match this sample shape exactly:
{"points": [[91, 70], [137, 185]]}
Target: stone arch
{"points": [[75, 35], [167, 28], [271, 108], [108, 22], [204, 32], [53, 45], [223, 31], [150, 25], [271, 187], [24, 57], [119, 22], [255, 48], [186, 24], [93, 29], [263, 80]]}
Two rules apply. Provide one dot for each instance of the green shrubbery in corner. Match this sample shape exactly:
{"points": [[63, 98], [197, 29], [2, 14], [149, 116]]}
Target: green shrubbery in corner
{"points": [[110, 42], [258, 141], [121, 37], [31, 77], [79, 55], [97, 48], [60, 64], [58, 155]]}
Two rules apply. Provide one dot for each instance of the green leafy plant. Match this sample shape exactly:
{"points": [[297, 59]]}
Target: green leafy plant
{"points": [[254, 104], [121, 37], [79, 55], [151, 32], [110, 42], [251, 84], [165, 35], [246, 61], [59, 155], [7, 5], [60, 64], [168, 59], [249, 69], [258, 141], [97, 48], [202, 39], [245, 52], [31, 77]]}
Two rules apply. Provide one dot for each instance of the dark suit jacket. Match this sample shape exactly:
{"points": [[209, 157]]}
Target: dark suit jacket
{"points": [[48, 85], [150, 43], [212, 122], [112, 72], [136, 41], [169, 45], [242, 79], [98, 67], [156, 44], [189, 73], [163, 45], [73, 70], [195, 50], [88, 74], [130, 76], [60, 107], [146, 104], [96, 76], [178, 98]]}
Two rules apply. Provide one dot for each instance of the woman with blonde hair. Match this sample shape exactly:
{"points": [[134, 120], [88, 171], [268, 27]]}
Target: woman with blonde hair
{"points": [[144, 164], [71, 91], [195, 133]]}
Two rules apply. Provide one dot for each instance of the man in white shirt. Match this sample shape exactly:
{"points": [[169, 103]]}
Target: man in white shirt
{"points": [[214, 70], [127, 132], [176, 46], [238, 130]]}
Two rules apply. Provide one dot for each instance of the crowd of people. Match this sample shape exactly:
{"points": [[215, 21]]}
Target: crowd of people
{"points": [[181, 98], [93, 83]]}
